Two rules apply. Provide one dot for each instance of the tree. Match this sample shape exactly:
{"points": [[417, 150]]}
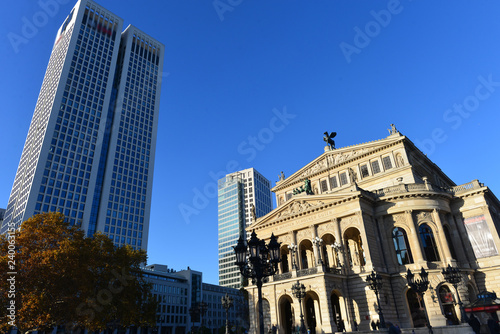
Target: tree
{"points": [[54, 275]]}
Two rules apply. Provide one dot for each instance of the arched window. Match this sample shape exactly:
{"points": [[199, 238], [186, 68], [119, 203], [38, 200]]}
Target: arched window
{"points": [[447, 304], [449, 241], [303, 254], [284, 263], [403, 252], [416, 309], [428, 243], [324, 252]]}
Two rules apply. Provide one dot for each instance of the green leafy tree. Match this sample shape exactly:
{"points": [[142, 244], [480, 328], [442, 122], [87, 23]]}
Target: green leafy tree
{"points": [[64, 278]]}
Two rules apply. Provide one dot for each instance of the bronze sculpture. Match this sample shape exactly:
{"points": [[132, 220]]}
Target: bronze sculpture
{"points": [[329, 139]]}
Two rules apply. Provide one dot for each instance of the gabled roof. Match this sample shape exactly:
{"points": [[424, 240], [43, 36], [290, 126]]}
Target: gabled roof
{"points": [[338, 157], [304, 205]]}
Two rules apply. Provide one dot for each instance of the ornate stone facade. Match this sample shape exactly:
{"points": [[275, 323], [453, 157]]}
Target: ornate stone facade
{"points": [[400, 212]]}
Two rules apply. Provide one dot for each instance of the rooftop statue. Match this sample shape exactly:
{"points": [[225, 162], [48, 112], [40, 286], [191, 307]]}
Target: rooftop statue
{"points": [[329, 139], [392, 130], [306, 187]]}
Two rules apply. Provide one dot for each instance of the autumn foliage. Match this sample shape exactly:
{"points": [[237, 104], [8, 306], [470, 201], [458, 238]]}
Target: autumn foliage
{"points": [[64, 278]]}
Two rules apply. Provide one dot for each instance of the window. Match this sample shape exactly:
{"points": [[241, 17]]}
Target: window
{"points": [[333, 182], [428, 243], [400, 240], [375, 167], [364, 171], [324, 186], [343, 179], [387, 162]]}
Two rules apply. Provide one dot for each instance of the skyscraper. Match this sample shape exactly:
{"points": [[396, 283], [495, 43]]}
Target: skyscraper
{"points": [[237, 193], [90, 147]]}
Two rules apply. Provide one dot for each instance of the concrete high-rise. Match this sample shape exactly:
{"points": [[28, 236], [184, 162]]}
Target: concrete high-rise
{"points": [[90, 147], [238, 192]]}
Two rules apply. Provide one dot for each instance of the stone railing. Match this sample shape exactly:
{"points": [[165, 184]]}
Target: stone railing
{"points": [[401, 188], [416, 187], [283, 276], [331, 270], [465, 187], [306, 272]]}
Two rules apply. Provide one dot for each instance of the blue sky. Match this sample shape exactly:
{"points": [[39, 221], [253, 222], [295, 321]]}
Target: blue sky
{"points": [[256, 83]]}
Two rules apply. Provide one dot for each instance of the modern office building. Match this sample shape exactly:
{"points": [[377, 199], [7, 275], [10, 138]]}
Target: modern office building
{"points": [[239, 194], [90, 147]]}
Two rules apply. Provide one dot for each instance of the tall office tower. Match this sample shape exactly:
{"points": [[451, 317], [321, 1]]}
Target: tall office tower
{"points": [[237, 193], [90, 147]]}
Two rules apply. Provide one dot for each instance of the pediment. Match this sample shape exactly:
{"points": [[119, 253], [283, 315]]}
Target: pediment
{"points": [[336, 157], [304, 205]]}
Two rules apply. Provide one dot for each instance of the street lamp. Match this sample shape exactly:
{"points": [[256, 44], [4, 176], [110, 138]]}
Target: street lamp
{"points": [[317, 241], [193, 313], [337, 247], [227, 302], [452, 275], [203, 310], [374, 281], [293, 248], [263, 263], [299, 291], [420, 286]]}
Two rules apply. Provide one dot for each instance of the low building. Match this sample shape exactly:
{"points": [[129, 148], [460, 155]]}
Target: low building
{"points": [[185, 302], [380, 206], [216, 314]]}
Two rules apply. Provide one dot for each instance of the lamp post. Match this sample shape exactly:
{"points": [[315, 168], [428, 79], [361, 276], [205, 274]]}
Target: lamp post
{"points": [[203, 310], [452, 275], [293, 248], [420, 286], [299, 291], [193, 312], [317, 241], [263, 262], [227, 302], [337, 247], [374, 281]]}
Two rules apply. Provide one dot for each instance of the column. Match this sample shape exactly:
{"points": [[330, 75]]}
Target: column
{"points": [[442, 238], [413, 239], [315, 246], [365, 246], [340, 240]]}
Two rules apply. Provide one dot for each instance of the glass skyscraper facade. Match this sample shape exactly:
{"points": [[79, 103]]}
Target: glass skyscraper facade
{"points": [[90, 149], [237, 192]]}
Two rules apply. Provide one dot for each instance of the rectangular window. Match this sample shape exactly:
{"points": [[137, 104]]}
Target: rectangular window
{"points": [[343, 179], [387, 162], [288, 196], [333, 182], [324, 186], [364, 171], [375, 167]]}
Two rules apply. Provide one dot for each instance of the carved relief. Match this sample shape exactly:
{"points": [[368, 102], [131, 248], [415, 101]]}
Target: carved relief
{"points": [[318, 166], [299, 207], [285, 239], [324, 228], [333, 160], [303, 234], [399, 219], [400, 160], [348, 221], [424, 215]]}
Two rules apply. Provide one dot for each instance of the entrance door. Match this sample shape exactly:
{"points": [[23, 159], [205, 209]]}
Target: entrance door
{"points": [[337, 314], [286, 317]]}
